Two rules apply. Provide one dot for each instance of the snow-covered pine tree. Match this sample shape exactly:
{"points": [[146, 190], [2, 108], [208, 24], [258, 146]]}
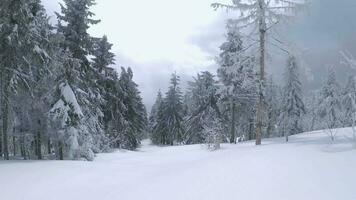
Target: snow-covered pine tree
{"points": [[114, 121], [273, 102], [105, 81], [330, 104], [348, 100], [20, 47], [103, 57], [311, 119], [39, 73], [204, 123], [237, 75], [349, 95], [159, 130], [72, 133], [135, 112], [74, 22], [292, 104], [169, 127], [154, 112], [261, 15]]}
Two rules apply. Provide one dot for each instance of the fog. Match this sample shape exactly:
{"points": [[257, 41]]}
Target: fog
{"points": [[159, 37]]}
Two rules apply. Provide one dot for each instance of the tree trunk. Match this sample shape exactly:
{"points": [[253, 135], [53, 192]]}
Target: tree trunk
{"points": [[270, 126], [49, 146], [1, 153], [22, 145], [39, 143], [260, 105], [232, 128], [250, 132], [60, 150], [312, 124], [5, 113], [1, 106], [14, 145]]}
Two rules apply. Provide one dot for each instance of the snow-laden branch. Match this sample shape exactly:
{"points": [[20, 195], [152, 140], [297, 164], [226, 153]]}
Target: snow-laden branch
{"points": [[349, 59]]}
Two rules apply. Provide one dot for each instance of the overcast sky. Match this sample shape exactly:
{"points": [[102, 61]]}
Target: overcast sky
{"points": [[158, 37]]}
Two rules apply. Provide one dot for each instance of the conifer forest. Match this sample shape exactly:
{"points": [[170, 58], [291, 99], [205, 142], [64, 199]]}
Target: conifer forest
{"points": [[167, 99]]}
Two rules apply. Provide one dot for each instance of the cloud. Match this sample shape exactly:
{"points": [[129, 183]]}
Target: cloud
{"points": [[158, 37]]}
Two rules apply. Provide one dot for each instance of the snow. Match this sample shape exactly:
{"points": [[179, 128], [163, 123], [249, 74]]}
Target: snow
{"points": [[70, 98], [309, 167], [60, 111]]}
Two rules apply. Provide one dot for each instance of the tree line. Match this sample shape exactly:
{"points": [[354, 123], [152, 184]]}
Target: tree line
{"points": [[223, 108], [60, 95]]}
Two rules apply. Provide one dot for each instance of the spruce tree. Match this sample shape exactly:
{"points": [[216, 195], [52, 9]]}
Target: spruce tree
{"points": [[169, 127], [330, 104], [103, 57], [349, 102], [154, 112], [237, 75], [20, 40], [105, 80], [273, 102], [203, 99], [135, 112], [292, 106], [74, 22]]}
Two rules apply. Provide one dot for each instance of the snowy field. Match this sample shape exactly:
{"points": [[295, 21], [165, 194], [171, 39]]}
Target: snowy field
{"points": [[308, 168]]}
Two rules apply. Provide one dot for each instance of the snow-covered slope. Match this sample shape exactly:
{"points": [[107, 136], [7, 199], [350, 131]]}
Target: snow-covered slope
{"points": [[309, 167]]}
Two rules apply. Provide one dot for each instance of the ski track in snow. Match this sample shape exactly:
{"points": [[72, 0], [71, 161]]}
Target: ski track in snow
{"points": [[309, 167]]}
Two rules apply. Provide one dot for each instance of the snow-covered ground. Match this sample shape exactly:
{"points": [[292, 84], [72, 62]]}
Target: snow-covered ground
{"points": [[309, 167]]}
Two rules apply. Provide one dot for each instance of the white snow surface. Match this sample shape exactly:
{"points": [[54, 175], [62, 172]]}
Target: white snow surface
{"points": [[309, 167]]}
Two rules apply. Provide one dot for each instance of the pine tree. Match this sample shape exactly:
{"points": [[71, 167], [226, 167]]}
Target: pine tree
{"points": [[312, 121], [19, 47], [169, 128], [272, 107], [204, 123], [329, 103], [103, 57], [154, 112], [135, 113], [114, 110], [105, 81], [292, 107], [349, 102], [74, 23], [237, 75]]}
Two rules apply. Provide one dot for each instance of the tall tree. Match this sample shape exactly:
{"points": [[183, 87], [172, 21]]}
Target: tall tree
{"points": [[329, 103], [103, 57], [134, 114], [261, 15], [154, 111], [203, 103], [237, 75], [106, 82], [19, 46], [293, 107], [74, 22], [169, 129], [273, 102], [349, 102]]}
